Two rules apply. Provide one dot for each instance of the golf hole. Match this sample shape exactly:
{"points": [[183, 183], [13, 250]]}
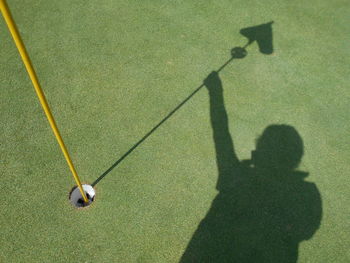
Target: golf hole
{"points": [[76, 198]]}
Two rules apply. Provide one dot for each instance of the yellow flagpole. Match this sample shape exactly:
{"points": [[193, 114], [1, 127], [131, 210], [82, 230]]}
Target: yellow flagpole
{"points": [[26, 60]]}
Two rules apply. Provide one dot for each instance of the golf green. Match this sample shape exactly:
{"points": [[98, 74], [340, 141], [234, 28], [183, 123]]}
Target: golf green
{"points": [[113, 71]]}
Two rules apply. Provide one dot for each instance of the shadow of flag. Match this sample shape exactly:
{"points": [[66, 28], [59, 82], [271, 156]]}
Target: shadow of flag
{"points": [[262, 34]]}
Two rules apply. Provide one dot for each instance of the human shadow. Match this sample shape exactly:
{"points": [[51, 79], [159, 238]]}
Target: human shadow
{"points": [[264, 208]]}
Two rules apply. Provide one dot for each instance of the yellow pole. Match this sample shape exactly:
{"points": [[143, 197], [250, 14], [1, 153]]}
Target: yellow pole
{"points": [[26, 60]]}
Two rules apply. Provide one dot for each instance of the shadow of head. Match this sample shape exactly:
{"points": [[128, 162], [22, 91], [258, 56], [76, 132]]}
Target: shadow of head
{"points": [[280, 147]]}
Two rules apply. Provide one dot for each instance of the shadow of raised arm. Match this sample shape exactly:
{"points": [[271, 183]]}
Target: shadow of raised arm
{"points": [[226, 157]]}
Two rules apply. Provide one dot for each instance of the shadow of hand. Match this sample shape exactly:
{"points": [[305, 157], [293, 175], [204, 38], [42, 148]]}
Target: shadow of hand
{"points": [[213, 82]]}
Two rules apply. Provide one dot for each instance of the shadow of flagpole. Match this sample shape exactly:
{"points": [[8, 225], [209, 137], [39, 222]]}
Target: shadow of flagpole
{"points": [[236, 53], [262, 34]]}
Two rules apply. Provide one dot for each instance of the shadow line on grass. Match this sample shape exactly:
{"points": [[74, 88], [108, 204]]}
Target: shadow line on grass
{"points": [[262, 34], [236, 53]]}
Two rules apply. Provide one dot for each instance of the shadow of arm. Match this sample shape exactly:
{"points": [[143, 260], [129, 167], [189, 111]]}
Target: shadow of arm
{"points": [[226, 157]]}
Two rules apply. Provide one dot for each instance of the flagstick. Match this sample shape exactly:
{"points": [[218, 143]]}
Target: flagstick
{"points": [[32, 75]]}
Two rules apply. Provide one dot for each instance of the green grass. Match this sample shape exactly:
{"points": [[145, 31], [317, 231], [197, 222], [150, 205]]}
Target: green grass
{"points": [[111, 70]]}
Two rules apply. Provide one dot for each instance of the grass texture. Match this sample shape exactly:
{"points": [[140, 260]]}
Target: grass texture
{"points": [[111, 70]]}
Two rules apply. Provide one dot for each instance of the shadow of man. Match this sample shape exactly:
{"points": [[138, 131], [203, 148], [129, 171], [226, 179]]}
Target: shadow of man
{"points": [[264, 208]]}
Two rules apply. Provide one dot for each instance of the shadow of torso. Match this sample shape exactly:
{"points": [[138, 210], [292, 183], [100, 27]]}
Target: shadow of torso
{"points": [[260, 217], [264, 208]]}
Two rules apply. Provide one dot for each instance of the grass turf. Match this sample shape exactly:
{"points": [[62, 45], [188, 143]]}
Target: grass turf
{"points": [[111, 71]]}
